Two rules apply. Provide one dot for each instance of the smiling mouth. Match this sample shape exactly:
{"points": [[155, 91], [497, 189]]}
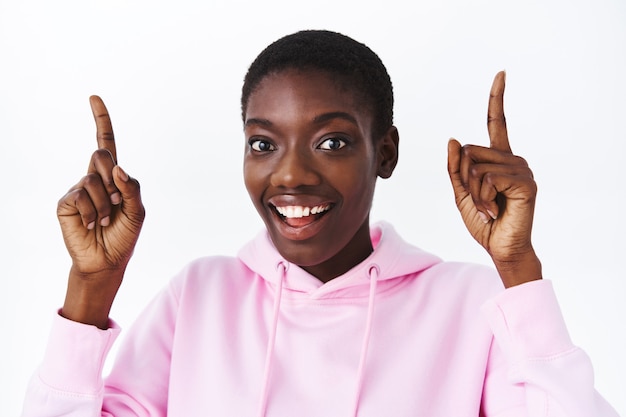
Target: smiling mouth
{"points": [[299, 216]]}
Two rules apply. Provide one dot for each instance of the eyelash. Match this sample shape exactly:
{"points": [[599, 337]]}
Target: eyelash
{"points": [[342, 144], [255, 144]]}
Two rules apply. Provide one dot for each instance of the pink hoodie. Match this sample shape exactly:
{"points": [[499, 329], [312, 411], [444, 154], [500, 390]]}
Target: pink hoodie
{"points": [[401, 334]]}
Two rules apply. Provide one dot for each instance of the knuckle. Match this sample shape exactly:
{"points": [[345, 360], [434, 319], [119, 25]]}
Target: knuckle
{"points": [[73, 197], [92, 180], [102, 154], [105, 135], [522, 161], [496, 118], [109, 183], [63, 200], [133, 187]]}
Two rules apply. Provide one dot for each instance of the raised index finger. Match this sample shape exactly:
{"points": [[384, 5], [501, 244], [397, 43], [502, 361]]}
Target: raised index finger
{"points": [[496, 122], [104, 129]]}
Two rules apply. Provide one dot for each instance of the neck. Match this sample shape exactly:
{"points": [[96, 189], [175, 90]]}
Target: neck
{"points": [[355, 252]]}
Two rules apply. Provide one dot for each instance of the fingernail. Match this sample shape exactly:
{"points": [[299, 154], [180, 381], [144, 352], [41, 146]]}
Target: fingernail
{"points": [[123, 174], [105, 221], [493, 216], [91, 225], [483, 217], [116, 198]]}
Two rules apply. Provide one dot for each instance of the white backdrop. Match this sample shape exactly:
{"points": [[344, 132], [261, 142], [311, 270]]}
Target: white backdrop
{"points": [[170, 74]]}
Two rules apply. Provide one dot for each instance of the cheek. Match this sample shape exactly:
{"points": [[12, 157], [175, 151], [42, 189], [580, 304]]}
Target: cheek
{"points": [[250, 179], [359, 190], [255, 178]]}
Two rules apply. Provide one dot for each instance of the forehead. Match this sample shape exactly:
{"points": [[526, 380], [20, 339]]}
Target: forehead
{"points": [[293, 92]]}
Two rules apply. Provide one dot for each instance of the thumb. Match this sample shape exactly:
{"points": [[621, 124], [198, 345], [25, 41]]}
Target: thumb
{"points": [[131, 195], [454, 166]]}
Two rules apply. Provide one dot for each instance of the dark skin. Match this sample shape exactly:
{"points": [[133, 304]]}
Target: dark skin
{"points": [[101, 217], [495, 192], [309, 144], [308, 149]]}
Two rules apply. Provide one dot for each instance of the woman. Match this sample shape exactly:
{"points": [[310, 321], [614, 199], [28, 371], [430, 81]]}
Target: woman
{"points": [[322, 313]]}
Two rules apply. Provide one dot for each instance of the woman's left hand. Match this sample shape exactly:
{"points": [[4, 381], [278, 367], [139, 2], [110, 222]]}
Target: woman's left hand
{"points": [[495, 193]]}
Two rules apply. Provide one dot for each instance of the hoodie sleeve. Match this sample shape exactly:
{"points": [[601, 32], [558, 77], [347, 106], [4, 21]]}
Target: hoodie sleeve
{"points": [[534, 368], [69, 381]]}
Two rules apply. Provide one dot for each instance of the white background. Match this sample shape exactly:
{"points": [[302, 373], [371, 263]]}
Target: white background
{"points": [[170, 74]]}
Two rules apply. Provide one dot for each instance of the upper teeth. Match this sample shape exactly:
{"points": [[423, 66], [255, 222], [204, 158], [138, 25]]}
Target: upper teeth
{"points": [[301, 211]]}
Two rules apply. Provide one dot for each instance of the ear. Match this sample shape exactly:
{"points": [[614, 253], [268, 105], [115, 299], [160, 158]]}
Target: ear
{"points": [[387, 151]]}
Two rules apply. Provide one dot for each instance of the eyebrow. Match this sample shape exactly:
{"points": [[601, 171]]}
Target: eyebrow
{"points": [[335, 115], [257, 121], [322, 118]]}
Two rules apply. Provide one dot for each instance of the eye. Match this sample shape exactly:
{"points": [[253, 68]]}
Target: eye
{"points": [[260, 145], [332, 144]]}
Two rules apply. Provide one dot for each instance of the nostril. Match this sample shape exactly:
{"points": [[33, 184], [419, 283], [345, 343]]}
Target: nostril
{"points": [[294, 171]]}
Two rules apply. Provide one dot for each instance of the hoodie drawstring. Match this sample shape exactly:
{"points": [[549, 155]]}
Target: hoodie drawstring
{"points": [[269, 355], [372, 273]]}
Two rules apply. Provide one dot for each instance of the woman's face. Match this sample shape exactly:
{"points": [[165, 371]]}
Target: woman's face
{"points": [[310, 168]]}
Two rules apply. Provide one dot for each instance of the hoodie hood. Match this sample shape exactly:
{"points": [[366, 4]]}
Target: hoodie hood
{"points": [[392, 257], [390, 262]]}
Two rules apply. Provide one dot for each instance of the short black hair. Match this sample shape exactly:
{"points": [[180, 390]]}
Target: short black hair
{"points": [[356, 65]]}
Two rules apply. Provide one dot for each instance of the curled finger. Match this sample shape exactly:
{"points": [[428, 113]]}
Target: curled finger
{"points": [[102, 164], [77, 204], [94, 186]]}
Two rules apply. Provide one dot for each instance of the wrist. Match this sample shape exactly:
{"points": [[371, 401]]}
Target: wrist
{"points": [[519, 269], [89, 297]]}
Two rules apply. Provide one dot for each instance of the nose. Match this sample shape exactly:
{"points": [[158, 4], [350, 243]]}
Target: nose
{"points": [[295, 168]]}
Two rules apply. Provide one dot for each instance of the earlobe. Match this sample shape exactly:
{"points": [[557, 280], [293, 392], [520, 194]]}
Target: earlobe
{"points": [[388, 152]]}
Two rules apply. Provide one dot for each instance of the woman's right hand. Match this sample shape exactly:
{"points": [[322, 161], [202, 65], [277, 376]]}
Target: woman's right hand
{"points": [[101, 217]]}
